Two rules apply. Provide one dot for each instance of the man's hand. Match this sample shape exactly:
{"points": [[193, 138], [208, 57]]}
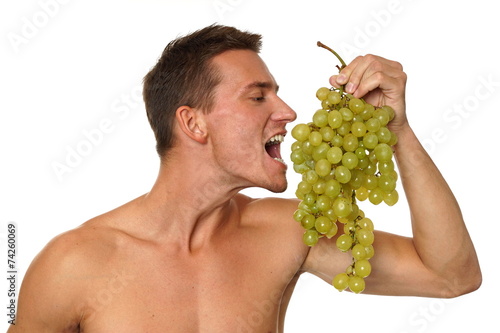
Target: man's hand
{"points": [[378, 81]]}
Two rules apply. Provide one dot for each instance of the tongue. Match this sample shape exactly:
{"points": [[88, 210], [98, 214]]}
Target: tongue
{"points": [[274, 151]]}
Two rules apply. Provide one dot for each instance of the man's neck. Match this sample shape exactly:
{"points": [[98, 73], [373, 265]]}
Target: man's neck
{"points": [[189, 205]]}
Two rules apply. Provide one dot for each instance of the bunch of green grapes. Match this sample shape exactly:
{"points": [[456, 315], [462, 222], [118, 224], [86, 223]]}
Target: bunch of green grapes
{"points": [[344, 155]]}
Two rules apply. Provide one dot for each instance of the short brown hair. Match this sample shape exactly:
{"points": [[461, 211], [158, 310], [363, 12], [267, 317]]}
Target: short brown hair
{"points": [[184, 75]]}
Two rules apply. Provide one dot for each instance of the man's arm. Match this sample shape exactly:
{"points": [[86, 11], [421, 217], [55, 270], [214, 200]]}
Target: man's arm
{"points": [[439, 260]]}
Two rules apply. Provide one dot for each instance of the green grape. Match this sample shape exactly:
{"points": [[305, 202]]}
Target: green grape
{"points": [[342, 174], [322, 93], [393, 140], [334, 155], [327, 133], [297, 156], [310, 237], [349, 160], [358, 252], [296, 145], [386, 167], [370, 251], [307, 147], [383, 135], [311, 177], [350, 142], [386, 183], [376, 196], [391, 198], [356, 105], [360, 152], [357, 179], [363, 162], [383, 152], [334, 97], [319, 152], [315, 138], [390, 111], [349, 227], [347, 114], [324, 203], [356, 284], [323, 224], [366, 223], [334, 119], [342, 207], [301, 132], [344, 242], [358, 129], [372, 125], [344, 128], [320, 118], [308, 221], [344, 156], [370, 182], [319, 187], [300, 168], [333, 230], [332, 188], [323, 167], [310, 199], [299, 215], [331, 215], [370, 140], [341, 281], [362, 268], [365, 237], [324, 104], [370, 168], [337, 141], [362, 193], [382, 115], [367, 112]]}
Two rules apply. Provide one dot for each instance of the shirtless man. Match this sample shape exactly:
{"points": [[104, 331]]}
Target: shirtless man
{"points": [[194, 255]]}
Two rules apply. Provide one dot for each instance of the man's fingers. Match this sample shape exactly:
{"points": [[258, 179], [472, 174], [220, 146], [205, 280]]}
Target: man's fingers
{"points": [[376, 71]]}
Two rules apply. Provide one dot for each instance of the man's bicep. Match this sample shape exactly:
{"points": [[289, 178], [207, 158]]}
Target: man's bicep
{"points": [[396, 268]]}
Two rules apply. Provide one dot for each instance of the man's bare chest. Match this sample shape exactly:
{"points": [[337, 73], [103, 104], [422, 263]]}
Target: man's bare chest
{"points": [[229, 293]]}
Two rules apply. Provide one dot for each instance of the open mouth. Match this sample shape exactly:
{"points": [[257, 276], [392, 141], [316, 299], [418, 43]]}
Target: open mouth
{"points": [[273, 147]]}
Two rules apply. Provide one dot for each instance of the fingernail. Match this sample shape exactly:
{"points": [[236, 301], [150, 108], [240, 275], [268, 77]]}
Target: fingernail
{"points": [[349, 88], [341, 79]]}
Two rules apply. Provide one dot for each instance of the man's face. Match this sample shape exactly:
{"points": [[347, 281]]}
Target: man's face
{"points": [[247, 122]]}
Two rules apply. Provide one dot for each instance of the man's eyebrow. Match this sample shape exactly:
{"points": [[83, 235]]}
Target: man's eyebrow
{"points": [[261, 84]]}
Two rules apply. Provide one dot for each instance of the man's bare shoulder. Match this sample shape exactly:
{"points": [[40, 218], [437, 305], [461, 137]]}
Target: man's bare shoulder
{"points": [[273, 214], [55, 282], [268, 204], [75, 254], [266, 209]]}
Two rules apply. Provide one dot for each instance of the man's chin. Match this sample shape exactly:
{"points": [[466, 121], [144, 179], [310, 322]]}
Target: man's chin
{"points": [[278, 188]]}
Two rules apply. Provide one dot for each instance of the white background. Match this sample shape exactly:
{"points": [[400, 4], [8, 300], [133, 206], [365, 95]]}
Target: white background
{"points": [[67, 67]]}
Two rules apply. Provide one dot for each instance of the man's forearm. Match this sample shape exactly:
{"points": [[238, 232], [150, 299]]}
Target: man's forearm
{"points": [[439, 232]]}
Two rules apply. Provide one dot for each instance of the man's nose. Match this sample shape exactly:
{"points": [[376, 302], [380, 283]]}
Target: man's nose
{"points": [[284, 112]]}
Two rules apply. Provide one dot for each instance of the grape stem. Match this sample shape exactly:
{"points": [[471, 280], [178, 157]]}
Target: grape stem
{"points": [[335, 53], [338, 57]]}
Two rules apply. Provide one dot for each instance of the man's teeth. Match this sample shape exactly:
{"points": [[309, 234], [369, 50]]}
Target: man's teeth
{"points": [[275, 139], [280, 160]]}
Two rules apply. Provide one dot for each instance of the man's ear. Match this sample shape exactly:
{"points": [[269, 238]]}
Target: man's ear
{"points": [[192, 122]]}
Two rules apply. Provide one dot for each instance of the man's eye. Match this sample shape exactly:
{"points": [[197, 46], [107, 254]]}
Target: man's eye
{"points": [[258, 99]]}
